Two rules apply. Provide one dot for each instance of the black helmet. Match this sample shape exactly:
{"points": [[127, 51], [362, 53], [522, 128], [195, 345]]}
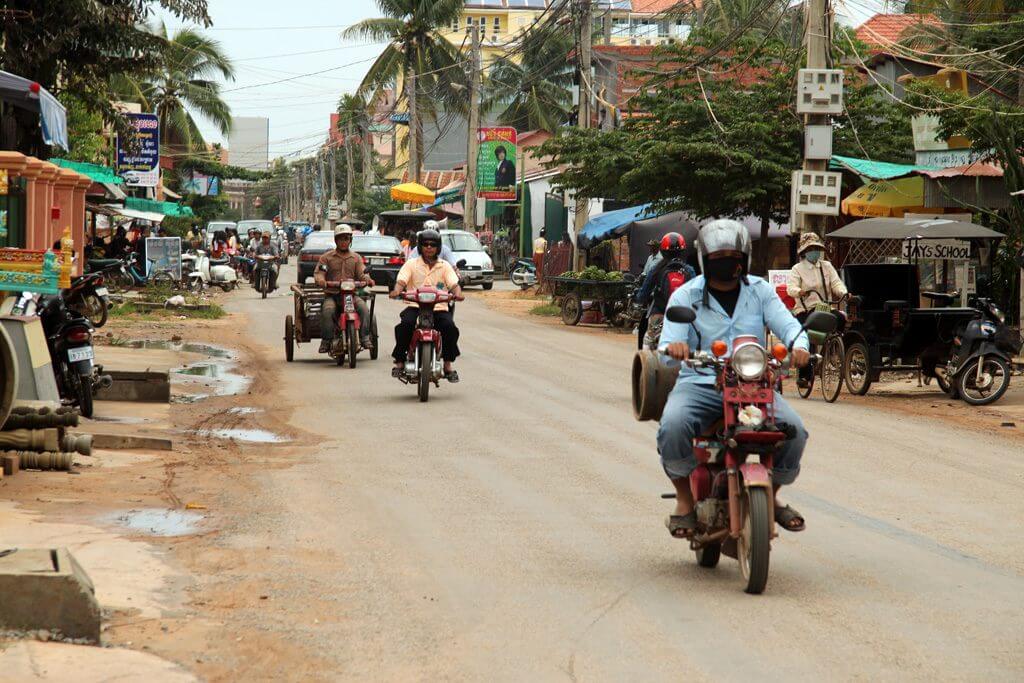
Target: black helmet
{"points": [[428, 235]]}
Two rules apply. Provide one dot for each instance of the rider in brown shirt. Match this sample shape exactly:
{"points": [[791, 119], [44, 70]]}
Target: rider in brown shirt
{"points": [[337, 265]]}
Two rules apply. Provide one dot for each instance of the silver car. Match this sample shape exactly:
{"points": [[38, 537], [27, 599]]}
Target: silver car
{"points": [[479, 270]]}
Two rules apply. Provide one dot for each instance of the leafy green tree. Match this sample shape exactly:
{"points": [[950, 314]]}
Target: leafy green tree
{"points": [[85, 131], [724, 144], [366, 205], [184, 80], [533, 93], [78, 46], [417, 51]]}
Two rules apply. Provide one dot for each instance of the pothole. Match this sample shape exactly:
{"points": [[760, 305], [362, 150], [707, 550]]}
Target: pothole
{"points": [[241, 434], [158, 522]]}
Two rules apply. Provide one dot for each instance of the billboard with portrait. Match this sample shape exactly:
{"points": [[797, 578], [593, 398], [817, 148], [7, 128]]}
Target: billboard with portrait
{"points": [[496, 164]]}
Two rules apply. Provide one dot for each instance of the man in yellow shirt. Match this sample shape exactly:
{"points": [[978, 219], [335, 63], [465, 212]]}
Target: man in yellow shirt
{"points": [[427, 270]]}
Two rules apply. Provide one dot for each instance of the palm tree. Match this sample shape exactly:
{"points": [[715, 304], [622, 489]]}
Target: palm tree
{"points": [[351, 115], [535, 92], [184, 81], [420, 56]]}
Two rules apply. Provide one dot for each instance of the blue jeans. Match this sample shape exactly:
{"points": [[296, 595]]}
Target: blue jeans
{"points": [[691, 409]]}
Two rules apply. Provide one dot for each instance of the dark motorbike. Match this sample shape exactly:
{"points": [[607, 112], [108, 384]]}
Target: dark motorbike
{"points": [[69, 338], [88, 297], [263, 273], [979, 368], [346, 345]]}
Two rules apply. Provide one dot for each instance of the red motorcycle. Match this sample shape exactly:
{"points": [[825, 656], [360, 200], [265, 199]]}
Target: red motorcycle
{"points": [[423, 363], [347, 334], [732, 484]]}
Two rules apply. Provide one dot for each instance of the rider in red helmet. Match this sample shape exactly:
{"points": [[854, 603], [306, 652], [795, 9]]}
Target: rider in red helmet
{"points": [[666, 277]]}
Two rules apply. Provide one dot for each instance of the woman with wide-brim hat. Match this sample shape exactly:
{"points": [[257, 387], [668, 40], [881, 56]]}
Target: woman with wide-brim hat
{"points": [[812, 280]]}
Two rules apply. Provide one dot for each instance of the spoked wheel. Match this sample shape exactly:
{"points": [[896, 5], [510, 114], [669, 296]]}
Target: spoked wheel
{"points": [[572, 309], [709, 555], [832, 369], [96, 310], [984, 387], [353, 342], [857, 369], [753, 546], [289, 338], [426, 368]]}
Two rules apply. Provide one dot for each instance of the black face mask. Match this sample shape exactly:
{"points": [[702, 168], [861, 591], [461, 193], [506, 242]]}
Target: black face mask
{"points": [[723, 269]]}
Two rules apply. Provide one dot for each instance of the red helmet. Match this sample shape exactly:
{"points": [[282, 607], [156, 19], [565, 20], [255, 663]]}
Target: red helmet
{"points": [[672, 244]]}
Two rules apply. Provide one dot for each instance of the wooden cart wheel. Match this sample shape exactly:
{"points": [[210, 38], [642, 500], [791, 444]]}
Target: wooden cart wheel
{"points": [[289, 338], [857, 369], [572, 309]]}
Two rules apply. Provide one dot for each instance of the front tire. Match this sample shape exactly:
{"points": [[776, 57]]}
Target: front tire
{"points": [[289, 338], [353, 342], [857, 369], [753, 546], [995, 372], [709, 555], [426, 369]]}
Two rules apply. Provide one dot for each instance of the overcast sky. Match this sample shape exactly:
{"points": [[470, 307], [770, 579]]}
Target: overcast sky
{"points": [[258, 35]]}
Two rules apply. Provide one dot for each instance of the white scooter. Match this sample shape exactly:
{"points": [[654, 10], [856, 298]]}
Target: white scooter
{"points": [[202, 274]]}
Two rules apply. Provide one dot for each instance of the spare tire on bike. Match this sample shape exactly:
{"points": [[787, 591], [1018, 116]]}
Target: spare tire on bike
{"points": [[654, 376]]}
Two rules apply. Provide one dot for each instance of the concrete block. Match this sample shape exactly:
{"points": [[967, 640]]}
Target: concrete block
{"points": [[43, 588], [35, 371], [10, 464], [152, 387]]}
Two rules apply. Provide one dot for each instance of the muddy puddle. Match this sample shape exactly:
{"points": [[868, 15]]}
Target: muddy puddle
{"points": [[157, 522], [244, 410], [240, 434], [215, 376]]}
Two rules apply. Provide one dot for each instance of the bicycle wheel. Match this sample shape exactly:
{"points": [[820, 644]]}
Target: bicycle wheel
{"points": [[832, 368]]}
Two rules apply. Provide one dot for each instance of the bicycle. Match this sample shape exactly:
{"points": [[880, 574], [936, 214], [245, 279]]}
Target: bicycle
{"points": [[833, 351]]}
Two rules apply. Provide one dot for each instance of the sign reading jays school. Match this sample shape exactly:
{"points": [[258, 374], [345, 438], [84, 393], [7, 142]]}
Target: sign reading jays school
{"points": [[943, 249], [496, 164], [141, 167]]}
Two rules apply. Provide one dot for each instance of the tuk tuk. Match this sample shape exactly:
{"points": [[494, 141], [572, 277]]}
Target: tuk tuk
{"points": [[889, 329]]}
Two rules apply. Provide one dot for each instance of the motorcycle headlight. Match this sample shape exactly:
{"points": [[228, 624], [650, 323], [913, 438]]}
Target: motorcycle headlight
{"points": [[749, 361], [426, 297], [997, 314]]}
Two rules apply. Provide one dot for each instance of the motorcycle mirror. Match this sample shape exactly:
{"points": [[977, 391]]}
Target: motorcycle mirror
{"points": [[681, 314], [461, 263], [820, 321]]}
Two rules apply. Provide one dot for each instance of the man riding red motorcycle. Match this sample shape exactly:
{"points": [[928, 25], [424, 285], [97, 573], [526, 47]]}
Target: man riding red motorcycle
{"points": [[728, 304], [427, 270], [338, 265]]}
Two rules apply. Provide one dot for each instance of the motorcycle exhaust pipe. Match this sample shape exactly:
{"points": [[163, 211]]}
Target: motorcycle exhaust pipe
{"points": [[103, 382]]}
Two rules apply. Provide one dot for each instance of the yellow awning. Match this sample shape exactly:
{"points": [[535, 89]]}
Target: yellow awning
{"points": [[414, 193], [888, 198]]}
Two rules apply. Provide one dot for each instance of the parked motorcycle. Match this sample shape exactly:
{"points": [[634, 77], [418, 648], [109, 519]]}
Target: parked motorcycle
{"points": [[69, 338], [264, 273], [523, 273], [423, 364], [346, 344], [88, 297], [978, 370], [734, 498], [204, 273]]}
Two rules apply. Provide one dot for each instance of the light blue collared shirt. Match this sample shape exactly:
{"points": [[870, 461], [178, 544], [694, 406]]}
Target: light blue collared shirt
{"points": [[758, 306], [446, 255]]}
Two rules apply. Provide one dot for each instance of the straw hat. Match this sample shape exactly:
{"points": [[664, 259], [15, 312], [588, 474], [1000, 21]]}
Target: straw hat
{"points": [[808, 240]]}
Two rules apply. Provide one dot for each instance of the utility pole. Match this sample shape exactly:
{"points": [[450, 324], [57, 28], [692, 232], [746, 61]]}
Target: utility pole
{"points": [[334, 175], [350, 166], [323, 189], [582, 214], [369, 176], [414, 129], [818, 34], [472, 139]]}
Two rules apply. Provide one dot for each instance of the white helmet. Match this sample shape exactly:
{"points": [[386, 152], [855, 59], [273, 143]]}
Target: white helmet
{"points": [[342, 229], [723, 234], [431, 225]]}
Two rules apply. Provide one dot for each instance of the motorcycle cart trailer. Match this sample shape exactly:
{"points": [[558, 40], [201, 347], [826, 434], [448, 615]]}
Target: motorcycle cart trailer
{"points": [[303, 325], [593, 302], [888, 328]]}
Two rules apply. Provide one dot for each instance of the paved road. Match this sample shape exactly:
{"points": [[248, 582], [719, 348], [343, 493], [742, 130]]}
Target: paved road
{"points": [[511, 530]]}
